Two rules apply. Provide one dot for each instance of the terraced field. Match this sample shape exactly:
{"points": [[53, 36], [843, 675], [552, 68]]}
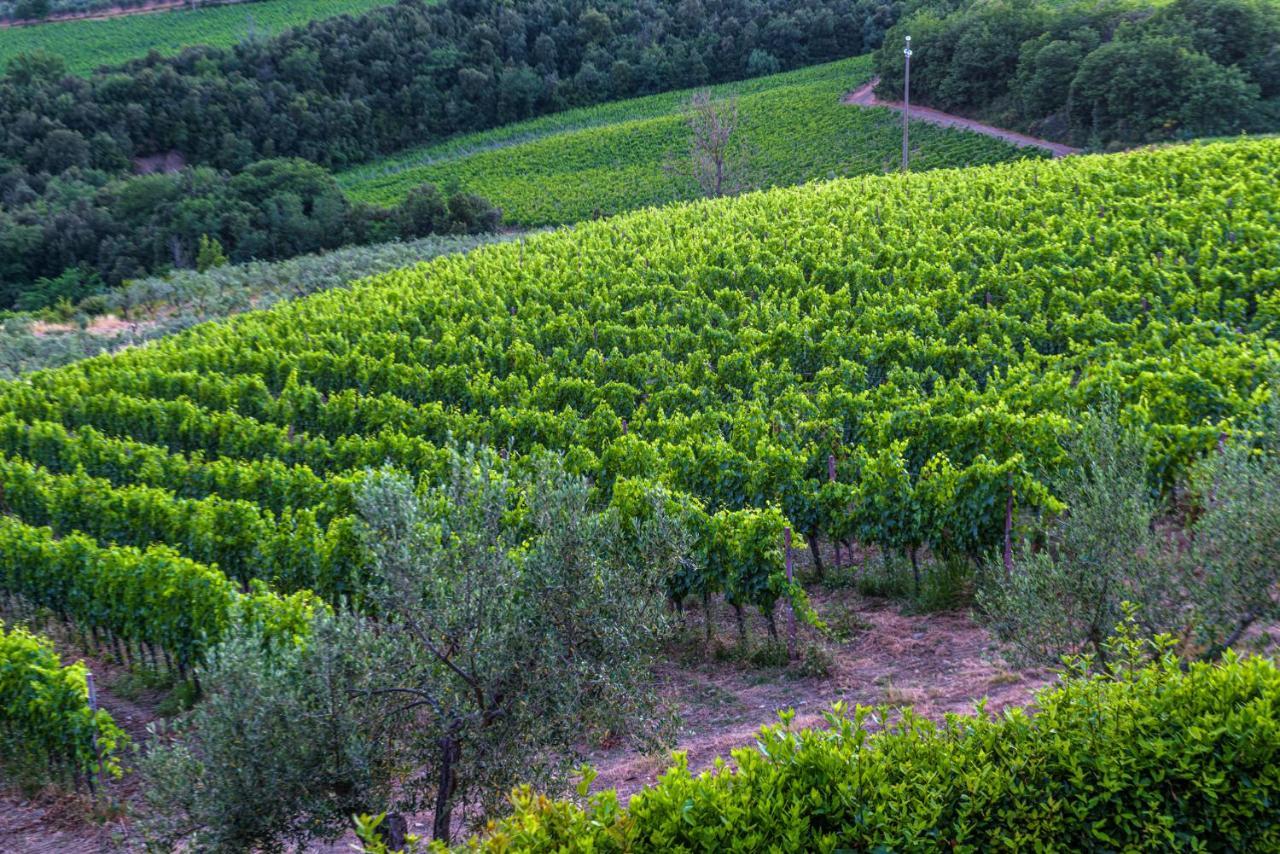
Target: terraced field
{"points": [[629, 154], [88, 44]]}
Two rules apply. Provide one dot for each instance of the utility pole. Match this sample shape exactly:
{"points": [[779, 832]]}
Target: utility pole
{"points": [[906, 103]]}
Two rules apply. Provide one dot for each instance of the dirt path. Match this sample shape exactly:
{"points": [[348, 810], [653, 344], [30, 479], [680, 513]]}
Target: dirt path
{"points": [[865, 96], [117, 12]]}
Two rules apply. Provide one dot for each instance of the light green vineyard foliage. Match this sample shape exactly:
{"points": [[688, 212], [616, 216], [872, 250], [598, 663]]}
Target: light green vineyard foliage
{"points": [[935, 334], [87, 45], [45, 715], [630, 154]]}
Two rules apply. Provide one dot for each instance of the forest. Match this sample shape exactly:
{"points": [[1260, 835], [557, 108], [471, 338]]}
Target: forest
{"points": [[1111, 74], [339, 92]]}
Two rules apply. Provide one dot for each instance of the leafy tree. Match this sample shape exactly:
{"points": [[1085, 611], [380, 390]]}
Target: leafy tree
{"points": [[1100, 554], [280, 749], [1236, 548], [210, 254], [520, 621]]}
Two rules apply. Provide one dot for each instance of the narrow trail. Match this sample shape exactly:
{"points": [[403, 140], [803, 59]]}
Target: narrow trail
{"points": [[115, 12], [865, 96]]}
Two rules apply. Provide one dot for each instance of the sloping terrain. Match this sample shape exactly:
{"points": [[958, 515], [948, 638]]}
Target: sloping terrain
{"points": [[632, 154]]}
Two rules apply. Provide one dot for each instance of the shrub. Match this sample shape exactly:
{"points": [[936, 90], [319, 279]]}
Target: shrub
{"points": [[280, 749], [1159, 758]]}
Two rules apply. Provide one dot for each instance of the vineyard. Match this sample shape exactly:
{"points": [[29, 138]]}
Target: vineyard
{"points": [[891, 361], [620, 156], [89, 44]]}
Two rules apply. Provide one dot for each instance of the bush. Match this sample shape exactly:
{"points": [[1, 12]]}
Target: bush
{"points": [[47, 731], [1157, 759], [1115, 545], [279, 750], [1067, 596]]}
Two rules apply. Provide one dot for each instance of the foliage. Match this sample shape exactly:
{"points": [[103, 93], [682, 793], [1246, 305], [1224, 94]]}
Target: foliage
{"points": [[161, 305], [1156, 756], [209, 254], [1235, 554], [934, 336], [1102, 553], [88, 45], [521, 623], [152, 596], [130, 227], [293, 552], [1115, 549], [45, 720], [281, 748], [618, 157], [1111, 73], [491, 64]]}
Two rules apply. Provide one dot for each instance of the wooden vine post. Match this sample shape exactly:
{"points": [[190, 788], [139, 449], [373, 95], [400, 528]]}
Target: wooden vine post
{"points": [[93, 713], [791, 611], [1008, 535], [831, 476]]}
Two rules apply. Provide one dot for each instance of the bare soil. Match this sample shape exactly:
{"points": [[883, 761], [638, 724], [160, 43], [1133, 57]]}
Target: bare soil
{"points": [[105, 325], [865, 96]]}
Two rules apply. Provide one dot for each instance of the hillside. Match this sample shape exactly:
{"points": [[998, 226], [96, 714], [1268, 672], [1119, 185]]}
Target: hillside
{"points": [[738, 341], [89, 44], [628, 154], [899, 367], [161, 305]]}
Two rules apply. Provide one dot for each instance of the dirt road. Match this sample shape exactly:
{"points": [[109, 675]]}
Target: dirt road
{"points": [[865, 96]]}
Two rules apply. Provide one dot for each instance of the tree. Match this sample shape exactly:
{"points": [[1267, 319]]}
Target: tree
{"points": [[1236, 546], [31, 10], [1100, 554], [716, 150], [281, 748], [521, 623], [210, 254]]}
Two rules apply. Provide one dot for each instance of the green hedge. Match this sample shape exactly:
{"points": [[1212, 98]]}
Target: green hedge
{"points": [[1160, 759]]}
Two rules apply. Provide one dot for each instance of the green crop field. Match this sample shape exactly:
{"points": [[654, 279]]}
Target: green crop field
{"points": [[628, 154], [86, 45], [933, 334]]}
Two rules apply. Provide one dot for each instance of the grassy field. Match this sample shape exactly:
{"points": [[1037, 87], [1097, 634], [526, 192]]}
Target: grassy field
{"points": [[85, 45], [619, 156]]}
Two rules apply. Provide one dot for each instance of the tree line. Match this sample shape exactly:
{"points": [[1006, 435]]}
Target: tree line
{"points": [[338, 92], [1098, 74], [343, 90], [70, 236]]}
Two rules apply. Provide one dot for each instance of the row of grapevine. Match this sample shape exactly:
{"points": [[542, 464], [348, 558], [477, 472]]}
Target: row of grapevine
{"points": [[291, 553], [892, 361], [45, 714], [153, 596], [274, 485], [88, 44], [619, 157]]}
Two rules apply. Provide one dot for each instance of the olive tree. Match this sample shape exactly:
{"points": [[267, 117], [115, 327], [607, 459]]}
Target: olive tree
{"points": [[278, 750], [1103, 552], [1236, 540], [522, 623]]}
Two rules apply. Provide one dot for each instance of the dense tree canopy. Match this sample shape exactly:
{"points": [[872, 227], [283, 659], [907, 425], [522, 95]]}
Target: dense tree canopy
{"points": [[67, 236], [1098, 73], [345, 89], [337, 92]]}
